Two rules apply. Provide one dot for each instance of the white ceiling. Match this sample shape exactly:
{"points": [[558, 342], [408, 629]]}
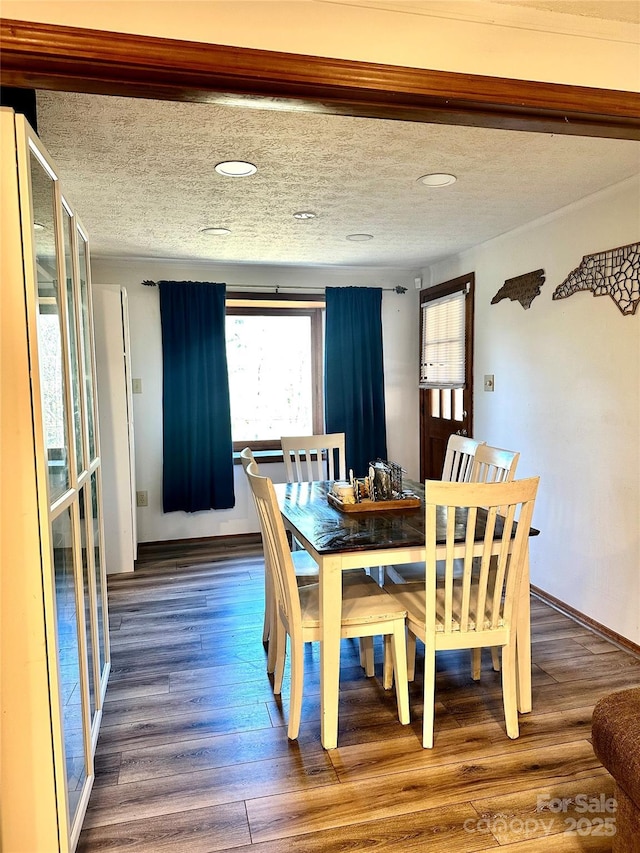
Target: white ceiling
{"points": [[611, 10], [140, 174]]}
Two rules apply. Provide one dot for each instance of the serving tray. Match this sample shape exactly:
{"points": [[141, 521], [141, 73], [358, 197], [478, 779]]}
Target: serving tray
{"points": [[373, 506]]}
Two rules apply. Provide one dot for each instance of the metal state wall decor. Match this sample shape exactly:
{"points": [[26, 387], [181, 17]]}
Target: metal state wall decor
{"points": [[524, 288], [614, 273]]}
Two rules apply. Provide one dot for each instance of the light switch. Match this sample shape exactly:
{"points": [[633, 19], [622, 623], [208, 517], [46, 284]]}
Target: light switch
{"points": [[136, 386], [488, 382]]}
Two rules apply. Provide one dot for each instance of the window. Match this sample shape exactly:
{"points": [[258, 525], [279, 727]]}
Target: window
{"points": [[442, 363], [274, 357]]}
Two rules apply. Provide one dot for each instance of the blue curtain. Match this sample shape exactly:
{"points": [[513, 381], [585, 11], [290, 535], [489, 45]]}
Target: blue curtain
{"points": [[354, 373], [197, 471]]}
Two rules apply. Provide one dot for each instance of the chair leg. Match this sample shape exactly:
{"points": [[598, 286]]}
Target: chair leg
{"points": [[495, 658], [429, 697], [399, 651], [388, 663], [476, 663], [367, 657], [296, 656], [271, 613], [268, 595], [279, 642], [377, 573], [510, 689], [411, 656]]}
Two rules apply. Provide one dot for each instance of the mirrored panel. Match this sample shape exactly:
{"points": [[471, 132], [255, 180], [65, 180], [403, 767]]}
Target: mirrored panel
{"points": [[97, 568], [67, 227], [50, 350], [86, 340], [89, 612], [68, 658]]}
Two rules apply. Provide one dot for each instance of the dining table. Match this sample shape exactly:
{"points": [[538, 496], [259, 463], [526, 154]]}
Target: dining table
{"points": [[339, 541]]}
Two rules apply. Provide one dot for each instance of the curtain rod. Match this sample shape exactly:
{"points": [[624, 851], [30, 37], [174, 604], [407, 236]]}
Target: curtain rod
{"points": [[276, 288]]}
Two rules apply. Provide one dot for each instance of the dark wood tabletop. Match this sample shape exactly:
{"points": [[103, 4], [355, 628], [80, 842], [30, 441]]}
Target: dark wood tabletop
{"points": [[328, 530]]}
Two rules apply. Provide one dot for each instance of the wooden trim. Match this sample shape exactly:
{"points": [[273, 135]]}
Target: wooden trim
{"points": [[259, 295], [96, 61], [587, 621], [445, 288]]}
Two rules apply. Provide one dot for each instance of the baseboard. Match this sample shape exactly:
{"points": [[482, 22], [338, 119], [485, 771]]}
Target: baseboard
{"points": [[607, 633]]}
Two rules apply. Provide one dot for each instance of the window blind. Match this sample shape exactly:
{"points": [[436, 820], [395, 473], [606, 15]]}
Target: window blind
{"points": [[442, 362]]}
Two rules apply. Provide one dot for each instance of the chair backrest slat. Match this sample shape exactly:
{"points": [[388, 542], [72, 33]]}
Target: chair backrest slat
{"points": [[313, 457]]}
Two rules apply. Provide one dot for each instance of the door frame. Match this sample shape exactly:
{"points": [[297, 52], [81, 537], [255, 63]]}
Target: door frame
{"points": [[444, 289]]}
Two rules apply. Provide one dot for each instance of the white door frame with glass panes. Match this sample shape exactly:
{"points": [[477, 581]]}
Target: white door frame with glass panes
{"points": [[54, 620]]}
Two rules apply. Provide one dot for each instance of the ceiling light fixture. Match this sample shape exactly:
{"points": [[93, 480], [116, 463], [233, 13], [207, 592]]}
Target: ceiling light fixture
{"points": [[359, 238], [305, 214], [236, 169], [215, 231], [438, 179]]}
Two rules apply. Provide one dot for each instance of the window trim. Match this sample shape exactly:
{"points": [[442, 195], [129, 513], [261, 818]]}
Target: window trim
{"points": [[264, 306]]}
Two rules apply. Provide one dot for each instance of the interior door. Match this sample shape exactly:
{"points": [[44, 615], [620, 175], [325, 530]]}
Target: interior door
{"points": [[444, 411]]}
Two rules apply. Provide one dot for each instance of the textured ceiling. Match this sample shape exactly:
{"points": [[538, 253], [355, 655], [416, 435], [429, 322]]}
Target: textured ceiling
{"points": [[140, 175]]}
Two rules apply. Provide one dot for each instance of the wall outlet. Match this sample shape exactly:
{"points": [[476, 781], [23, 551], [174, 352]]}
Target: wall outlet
{"points": [[489, 384], [136, 386], [142, 499]]}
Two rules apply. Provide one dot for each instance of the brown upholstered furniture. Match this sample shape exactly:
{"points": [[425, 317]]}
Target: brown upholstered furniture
{"points": [[616, 742]]}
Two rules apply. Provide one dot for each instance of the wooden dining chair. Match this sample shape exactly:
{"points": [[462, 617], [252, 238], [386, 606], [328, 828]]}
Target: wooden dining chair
{"points": [[367, 610], [458, 462], [478, 606], [306, 570], [314, 457], [493, 465], [322, 457]]}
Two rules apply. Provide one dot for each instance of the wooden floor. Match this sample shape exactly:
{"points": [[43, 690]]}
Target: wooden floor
{"points": [[193, 754]]}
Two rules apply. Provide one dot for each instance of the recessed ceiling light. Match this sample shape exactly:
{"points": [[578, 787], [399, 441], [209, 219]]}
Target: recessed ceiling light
{"points": [[437, 179], [236, 169], [359, 238], [215, 231], [305, 214]]}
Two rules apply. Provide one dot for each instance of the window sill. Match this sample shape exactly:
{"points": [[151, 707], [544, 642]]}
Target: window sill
{"points": [[262, 457]]}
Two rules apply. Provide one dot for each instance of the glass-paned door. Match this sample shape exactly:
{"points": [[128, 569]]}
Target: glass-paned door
{"points": [[446, 369], [64, 417]]}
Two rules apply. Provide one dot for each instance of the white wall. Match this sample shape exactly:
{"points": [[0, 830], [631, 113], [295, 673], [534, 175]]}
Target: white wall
{"points": [[400, 331], [118, 512], [567, 396], [474, 38]]}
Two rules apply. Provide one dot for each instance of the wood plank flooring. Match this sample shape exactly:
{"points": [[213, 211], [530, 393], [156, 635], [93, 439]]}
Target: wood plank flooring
{"points": [[193, 755]]}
